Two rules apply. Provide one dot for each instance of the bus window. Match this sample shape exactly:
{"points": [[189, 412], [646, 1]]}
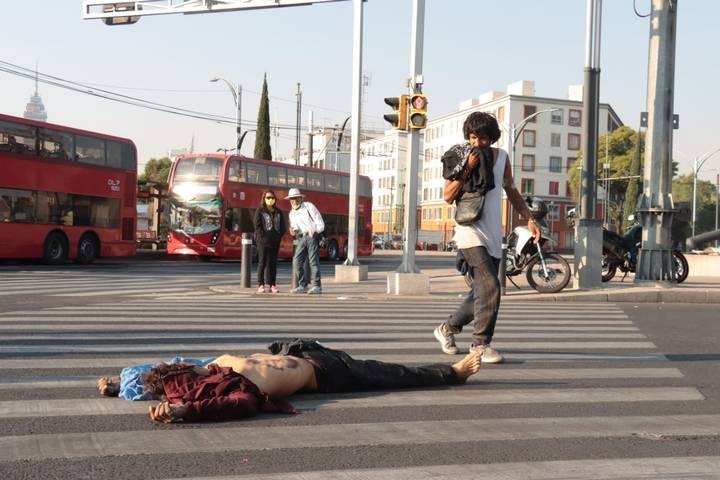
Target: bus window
{"points": [[56, 145], [345, 184], [114, 154], [17, 138], [256, 173], [199, 168], [315, 181], [129, 160], [236, 171], [277, 176], [90, 150], [295, 178], [332, 183]]}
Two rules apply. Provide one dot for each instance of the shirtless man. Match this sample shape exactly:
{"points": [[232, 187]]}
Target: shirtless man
{"points": [[236, 387]]}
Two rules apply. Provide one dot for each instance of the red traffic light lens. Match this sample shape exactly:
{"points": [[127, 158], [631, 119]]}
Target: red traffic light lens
{"points": [[419, 102]]}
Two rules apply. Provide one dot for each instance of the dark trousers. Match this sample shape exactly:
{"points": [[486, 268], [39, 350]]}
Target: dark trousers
{"points": [[336, 371], [267, 262], [482, 303]]}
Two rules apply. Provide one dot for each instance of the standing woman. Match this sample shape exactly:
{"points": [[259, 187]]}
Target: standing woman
{"points": [[269, 229]]}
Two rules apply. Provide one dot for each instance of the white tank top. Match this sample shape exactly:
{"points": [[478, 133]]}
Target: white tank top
{"points": [[487, 232]]}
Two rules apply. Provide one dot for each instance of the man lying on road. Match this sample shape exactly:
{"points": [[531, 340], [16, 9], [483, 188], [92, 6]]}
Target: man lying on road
{"points": [[234, 387]]}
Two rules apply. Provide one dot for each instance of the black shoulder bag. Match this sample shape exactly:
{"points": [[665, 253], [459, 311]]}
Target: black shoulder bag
{"points": [[469, 207]]}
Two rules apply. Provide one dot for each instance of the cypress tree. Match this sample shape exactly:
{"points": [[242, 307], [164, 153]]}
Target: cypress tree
{"points": [[262, 132]]}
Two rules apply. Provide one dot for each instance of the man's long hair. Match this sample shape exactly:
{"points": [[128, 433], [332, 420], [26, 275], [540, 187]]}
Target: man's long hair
{"points": [[152, 381], [482, 123]]}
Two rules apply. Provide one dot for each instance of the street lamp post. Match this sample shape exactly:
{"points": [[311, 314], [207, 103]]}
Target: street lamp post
{"points": [[697, 165], [514, 131], [237, 97]]}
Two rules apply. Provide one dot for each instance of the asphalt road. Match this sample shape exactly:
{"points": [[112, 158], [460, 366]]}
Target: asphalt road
{"points": [[589, 390]]}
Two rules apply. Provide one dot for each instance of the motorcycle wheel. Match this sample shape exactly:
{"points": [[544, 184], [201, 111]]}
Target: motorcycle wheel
{"points": [[608, 270], [682, 268], [558, 273]]}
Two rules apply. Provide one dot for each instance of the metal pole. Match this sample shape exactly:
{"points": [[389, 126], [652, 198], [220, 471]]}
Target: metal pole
{"points": [[656, 209], [501, 267], [310, 138], [717, 194], [587, 272], [297, 125], [246, 260], [411, 175], [238, 117], [355, 138], [694, 204], [511, 217]]}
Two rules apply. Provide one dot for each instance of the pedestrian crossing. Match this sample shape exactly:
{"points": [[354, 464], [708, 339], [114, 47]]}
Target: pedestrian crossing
{"points": [[575, 375]]}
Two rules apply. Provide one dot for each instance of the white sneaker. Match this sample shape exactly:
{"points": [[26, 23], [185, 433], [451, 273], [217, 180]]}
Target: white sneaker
{"points": [[488, 354], [447, 341], [315, 291], [299, 289]]}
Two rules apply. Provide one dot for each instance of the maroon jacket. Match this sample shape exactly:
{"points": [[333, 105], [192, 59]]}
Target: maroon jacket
{"points": [[223, 395]]}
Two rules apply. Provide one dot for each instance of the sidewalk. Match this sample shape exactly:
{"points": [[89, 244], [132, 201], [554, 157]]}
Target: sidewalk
{"points": [[448, 284]]}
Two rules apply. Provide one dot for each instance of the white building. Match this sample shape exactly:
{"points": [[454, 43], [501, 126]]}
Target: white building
{"points": [[545, 147]]}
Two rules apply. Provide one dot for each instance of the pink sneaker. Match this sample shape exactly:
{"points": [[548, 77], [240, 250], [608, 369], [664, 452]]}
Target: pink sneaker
{"points": [[261, 289], [267, 288], [274, 289]]}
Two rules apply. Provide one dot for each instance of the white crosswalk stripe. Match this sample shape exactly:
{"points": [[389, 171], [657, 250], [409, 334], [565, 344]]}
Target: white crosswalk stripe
{"points": [[562, 356]]}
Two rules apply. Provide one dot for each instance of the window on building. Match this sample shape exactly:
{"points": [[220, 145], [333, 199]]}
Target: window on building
{"points": [[527, 186], [554, 188], [553, 212], [501, 113], [569, 239], [575, 118], [573, 141], [568, 190], [529, 138], [556, 164], [570, 163], [528, 163], [529, 110], [555, 140], [556, 117]]}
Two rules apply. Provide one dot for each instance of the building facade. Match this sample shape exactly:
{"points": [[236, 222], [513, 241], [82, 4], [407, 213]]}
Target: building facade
{"points": [[546, 147]]}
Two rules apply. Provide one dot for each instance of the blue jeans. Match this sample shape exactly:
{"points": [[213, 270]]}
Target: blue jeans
{"points": [[482, 303], [307, 246]]}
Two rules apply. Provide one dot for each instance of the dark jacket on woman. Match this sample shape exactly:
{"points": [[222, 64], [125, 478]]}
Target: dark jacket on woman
{"points": [[269, 226]]}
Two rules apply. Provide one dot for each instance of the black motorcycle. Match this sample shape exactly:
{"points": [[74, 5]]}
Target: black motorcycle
{"points": [[621, 251]]}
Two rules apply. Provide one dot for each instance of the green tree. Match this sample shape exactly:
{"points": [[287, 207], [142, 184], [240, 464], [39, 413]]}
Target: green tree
{"points": [[262, 132], [633, 190], [620, 148], [705, 208], [157, 170]]}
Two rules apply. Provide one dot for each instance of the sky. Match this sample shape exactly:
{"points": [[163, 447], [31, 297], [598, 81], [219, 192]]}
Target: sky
{"points": [[471, 47]]}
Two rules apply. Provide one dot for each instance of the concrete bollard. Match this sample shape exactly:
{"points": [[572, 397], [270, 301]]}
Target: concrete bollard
{"points": [[246, 260]]}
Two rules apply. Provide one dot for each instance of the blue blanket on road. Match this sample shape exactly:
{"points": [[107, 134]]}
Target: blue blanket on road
{"points": [[131, 385]]}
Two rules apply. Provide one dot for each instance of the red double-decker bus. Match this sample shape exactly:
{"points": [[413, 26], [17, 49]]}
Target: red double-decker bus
{"points": [[65, 193], [213, 198]]}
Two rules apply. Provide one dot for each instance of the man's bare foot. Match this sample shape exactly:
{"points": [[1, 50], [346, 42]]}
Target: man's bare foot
{"points": [[109, 386], [469, 365]]}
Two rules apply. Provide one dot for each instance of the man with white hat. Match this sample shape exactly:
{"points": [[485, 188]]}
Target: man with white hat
{"points": [[306, 225]]}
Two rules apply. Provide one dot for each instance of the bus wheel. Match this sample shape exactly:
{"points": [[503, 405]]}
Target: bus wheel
{"points": [[332, 251], [88, 249], [56, 249]]}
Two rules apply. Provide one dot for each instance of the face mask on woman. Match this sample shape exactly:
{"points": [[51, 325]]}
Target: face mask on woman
{"points": [[270, 201]]}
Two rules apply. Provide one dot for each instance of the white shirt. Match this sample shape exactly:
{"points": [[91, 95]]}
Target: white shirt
{"points": [[306, 219], [487, 232]]}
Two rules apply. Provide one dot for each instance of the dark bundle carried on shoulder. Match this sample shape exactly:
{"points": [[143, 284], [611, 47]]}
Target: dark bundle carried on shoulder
{"points": [[471, 199]]}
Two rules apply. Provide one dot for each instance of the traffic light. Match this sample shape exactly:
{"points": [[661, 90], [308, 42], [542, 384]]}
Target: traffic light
{"points": [[398, 119], [418, 111]]}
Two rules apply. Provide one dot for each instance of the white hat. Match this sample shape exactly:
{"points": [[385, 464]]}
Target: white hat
{"points": [[293, 193]]}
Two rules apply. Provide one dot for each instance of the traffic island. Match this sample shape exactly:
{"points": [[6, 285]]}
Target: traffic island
{"points": [[408, 284], [351, 273]]}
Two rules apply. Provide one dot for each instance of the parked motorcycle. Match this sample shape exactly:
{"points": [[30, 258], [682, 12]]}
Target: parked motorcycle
{"points": [[547, 271], [621, 251]]}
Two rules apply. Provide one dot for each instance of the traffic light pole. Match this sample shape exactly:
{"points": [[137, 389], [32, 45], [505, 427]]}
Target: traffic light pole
{"points": [[407, 279], [655, 262]]}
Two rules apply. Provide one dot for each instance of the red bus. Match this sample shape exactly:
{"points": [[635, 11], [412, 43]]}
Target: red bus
{"points": [[65, 193], [213, 198]]}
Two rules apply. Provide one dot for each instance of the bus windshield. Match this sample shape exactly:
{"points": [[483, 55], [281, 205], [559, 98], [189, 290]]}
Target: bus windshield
{"points": [[198, 169], [194, 217]]}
